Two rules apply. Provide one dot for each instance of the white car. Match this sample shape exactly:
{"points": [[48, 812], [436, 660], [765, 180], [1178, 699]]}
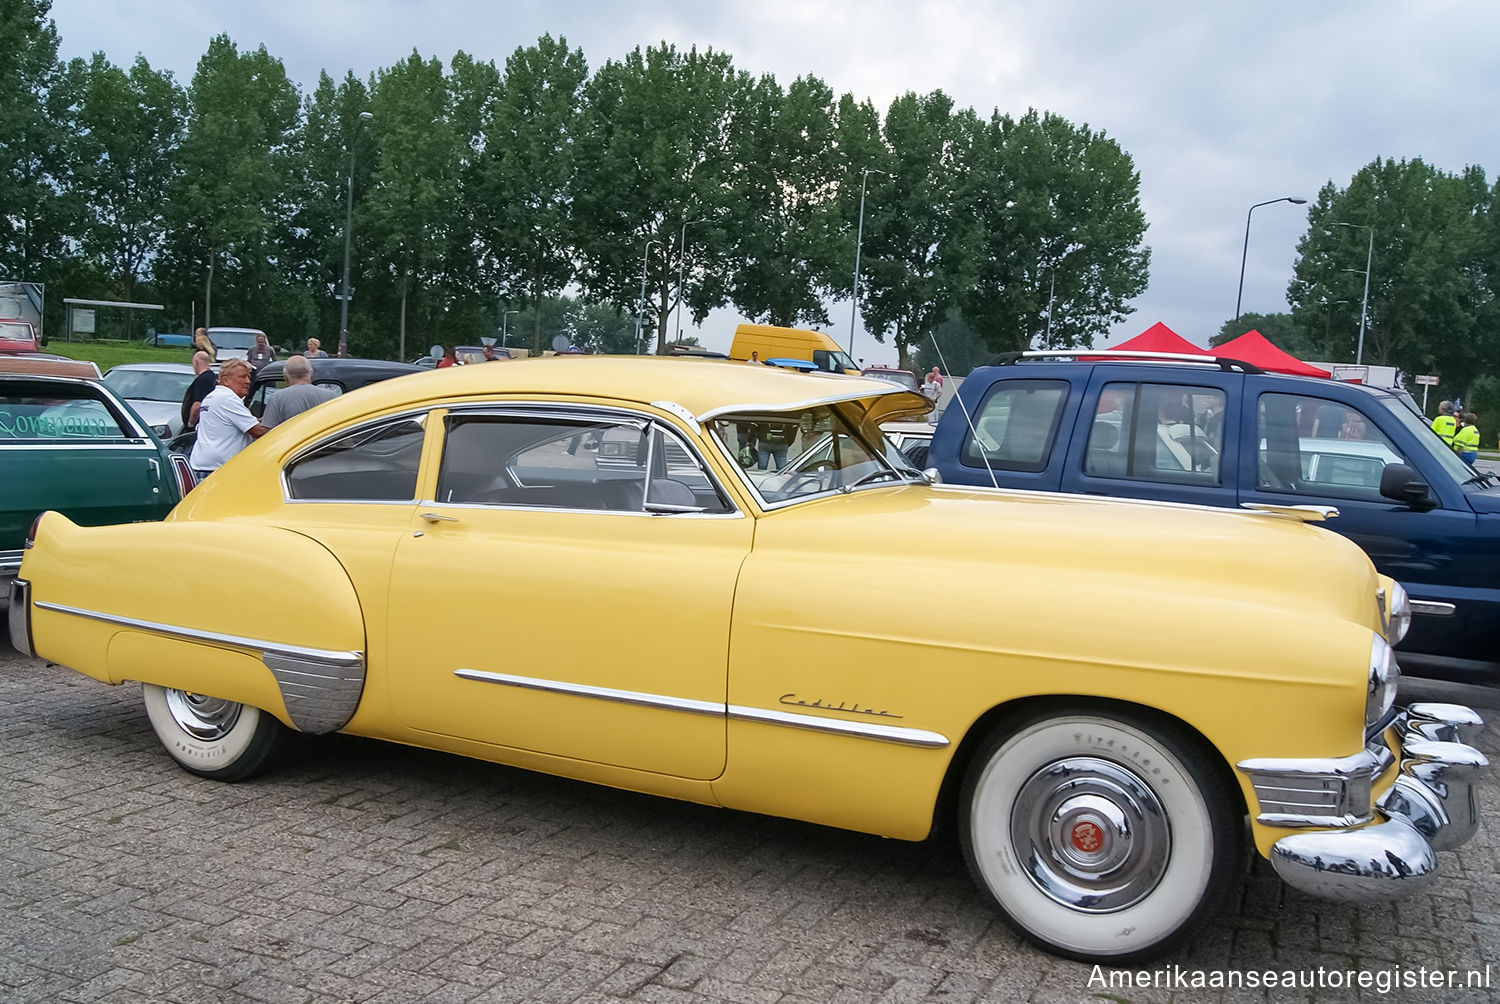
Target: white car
{"points": [[155, 391], [233, 343]]}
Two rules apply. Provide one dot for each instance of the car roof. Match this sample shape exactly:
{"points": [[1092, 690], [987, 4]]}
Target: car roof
{"points": [[341, 367], [41, 364], [705, 387], [1164, 362]]}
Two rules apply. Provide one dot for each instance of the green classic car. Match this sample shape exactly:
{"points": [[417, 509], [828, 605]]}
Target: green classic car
{"points": [[67, 443]]}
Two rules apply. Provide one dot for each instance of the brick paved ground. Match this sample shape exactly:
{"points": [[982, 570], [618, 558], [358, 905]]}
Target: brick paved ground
{"points": [[368, 872]]}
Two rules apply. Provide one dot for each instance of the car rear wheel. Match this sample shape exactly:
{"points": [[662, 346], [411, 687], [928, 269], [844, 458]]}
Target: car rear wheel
{"points": [[1101, 836], [212, 737]]}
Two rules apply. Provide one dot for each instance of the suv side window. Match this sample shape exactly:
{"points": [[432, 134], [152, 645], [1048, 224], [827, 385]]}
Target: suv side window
{"points": [[1016, 425], [1314, 446], [373, 464], [1157, 432]]}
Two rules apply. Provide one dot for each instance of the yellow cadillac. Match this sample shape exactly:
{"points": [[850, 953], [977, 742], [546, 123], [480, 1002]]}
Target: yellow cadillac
{"points": [[1095, 693]]}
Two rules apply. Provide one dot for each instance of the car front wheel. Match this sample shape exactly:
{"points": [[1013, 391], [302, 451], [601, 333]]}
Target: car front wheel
{"points": [[212, 737], [1103, 836]]}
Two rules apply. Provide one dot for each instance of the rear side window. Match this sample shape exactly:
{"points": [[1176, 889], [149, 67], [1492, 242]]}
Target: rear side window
{"points": [[1016, 425], [1157, 432], [373, 464], [41, 412]]}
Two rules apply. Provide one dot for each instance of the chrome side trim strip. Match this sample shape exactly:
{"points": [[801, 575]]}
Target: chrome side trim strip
{"points": [[1432, 608], [192, 634], [601, 693], [815, 723]]}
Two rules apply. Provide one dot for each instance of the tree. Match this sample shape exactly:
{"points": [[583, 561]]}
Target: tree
{"points": [[1429, 282], [914, 258], [526, 176], [785, 220], [38, 221], [1058, 232], [229, 212], [653, 155], [125, 135]]}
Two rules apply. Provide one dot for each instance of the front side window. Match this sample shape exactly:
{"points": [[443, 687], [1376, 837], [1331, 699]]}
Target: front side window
{"points": [[56, 413], [1016, 425], [371, 464], [833, 361], [1314, 446], [564, 462], [1157, 432]]}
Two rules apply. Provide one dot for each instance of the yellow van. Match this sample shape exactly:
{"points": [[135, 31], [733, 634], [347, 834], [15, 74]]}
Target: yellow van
{"points": [[770, 342]]}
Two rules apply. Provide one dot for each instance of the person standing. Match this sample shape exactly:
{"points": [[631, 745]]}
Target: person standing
{"points": [[203, 343], [771, 443], [261, 352], [203, 382], [754, 359], [1466, 440], [1445, 425], [450, 357], [315, 349], [297, 396], [225, 425]]}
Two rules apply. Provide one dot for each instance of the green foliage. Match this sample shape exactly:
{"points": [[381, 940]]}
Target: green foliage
{"points": [[34, 163], [962, 349], [1431, 282], [1057, 232]]}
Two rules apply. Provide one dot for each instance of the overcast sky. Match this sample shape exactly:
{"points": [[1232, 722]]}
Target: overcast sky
{"points": [[1220, 105]]}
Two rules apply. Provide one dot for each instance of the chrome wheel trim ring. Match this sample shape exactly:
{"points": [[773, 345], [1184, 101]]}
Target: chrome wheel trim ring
{"points": [[200, 716], [1090, 834]]}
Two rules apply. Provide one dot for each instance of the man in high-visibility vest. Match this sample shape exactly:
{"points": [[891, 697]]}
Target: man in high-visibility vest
{"points": [[1466, 440], [1445, 425]]}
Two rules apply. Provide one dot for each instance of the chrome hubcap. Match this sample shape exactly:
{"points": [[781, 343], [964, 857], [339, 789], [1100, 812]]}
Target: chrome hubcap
{"points": [[201, 716], [1091, 834]]}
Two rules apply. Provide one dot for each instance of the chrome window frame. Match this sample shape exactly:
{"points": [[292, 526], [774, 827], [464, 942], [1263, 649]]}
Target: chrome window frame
{"points": [[302, 452], [574, 413]]}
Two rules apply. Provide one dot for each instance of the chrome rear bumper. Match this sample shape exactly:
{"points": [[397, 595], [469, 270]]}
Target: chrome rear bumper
{"points": [[1431, 807]]}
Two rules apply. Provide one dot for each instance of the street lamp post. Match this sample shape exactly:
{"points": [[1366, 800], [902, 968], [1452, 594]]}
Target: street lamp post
{"points": [[859, 238], [504, 329], [681, 262], [348, 230], [1364, 304], [1051, 292], [1245, 252], [640, 309]]}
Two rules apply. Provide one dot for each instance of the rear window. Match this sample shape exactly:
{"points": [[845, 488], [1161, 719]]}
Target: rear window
{"points": [[56, 413], [1016, 425], [149, 385]]}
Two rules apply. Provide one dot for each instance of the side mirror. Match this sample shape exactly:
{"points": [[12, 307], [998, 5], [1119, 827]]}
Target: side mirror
{"points": [[1401, 483]]}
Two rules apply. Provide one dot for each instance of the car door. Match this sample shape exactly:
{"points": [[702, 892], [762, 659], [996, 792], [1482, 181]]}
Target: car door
{"points": [[65, 445], [555, 601], [1164, 435]]}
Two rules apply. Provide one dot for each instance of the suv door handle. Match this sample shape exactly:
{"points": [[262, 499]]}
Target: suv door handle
{"points": [[433, 517]]}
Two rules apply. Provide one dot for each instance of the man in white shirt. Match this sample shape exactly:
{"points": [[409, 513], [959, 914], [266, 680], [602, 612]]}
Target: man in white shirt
{"points": [[297, 396], [225, 425]]}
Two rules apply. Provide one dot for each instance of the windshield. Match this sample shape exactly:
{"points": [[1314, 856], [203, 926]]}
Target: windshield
{"points": [[232, 339], [1429, 441], [808, 452], [148, 385]]}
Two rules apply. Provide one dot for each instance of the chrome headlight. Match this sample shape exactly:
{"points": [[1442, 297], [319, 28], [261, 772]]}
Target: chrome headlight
{"points": [[1384, 675], [1397, 610], [162, 431]]}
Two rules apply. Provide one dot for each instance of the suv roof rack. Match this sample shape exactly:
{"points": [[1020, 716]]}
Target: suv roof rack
{"points": [[1129, 355]]}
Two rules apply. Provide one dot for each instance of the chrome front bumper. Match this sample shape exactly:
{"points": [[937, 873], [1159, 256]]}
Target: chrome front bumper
{"points": [[1430, 807]]}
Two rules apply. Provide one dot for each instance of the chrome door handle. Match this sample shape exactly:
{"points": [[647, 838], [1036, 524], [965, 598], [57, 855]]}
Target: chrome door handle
{"points": [[433, 517]]}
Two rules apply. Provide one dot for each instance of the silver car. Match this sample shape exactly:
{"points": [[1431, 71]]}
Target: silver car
{"points": [[155, 391]]}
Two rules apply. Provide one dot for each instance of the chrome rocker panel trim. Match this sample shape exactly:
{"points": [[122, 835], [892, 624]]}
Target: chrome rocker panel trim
{"points": [[320, 687], [1431, 806], [815, 723]]}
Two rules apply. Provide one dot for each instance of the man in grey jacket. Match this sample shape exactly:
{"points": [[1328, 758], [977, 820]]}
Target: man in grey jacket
{"points": [[297, 396]]}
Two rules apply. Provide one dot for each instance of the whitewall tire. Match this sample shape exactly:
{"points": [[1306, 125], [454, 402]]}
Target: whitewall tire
{"points": [[1102, 835], [212, 737]]}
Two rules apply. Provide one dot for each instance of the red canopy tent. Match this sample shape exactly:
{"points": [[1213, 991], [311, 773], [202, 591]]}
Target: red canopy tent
{"points": [[1253, 347], [1160, 338]]}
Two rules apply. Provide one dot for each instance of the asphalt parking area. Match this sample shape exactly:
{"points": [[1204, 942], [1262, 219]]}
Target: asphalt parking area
{"points": [[362, 871]]}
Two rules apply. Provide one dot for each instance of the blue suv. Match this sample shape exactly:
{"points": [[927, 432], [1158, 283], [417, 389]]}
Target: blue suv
{"points": [[1224, 433]]}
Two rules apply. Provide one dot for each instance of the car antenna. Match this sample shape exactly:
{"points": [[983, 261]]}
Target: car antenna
{"points": [[967, 417]]}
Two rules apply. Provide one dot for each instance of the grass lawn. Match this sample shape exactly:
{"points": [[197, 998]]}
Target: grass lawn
{"points": [[107, 354]]}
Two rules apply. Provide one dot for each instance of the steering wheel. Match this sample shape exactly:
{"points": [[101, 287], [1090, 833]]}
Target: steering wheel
{"points": [[804, 484]]}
